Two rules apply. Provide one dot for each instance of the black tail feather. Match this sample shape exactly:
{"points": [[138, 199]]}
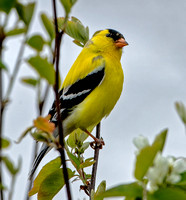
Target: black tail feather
{"points": [[37, 161]]}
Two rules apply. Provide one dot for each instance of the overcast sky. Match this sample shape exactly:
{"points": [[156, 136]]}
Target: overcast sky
{"points": [[154, 65]]}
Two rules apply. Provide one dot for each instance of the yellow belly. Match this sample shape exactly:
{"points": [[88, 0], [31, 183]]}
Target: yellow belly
{"points": [[100, 102]]}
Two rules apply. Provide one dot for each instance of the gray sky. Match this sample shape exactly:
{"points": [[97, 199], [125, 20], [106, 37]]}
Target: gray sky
{"points": [[155, 71]]}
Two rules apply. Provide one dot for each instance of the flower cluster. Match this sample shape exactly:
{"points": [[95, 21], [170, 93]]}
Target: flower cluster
{"points": [[165, 170]]}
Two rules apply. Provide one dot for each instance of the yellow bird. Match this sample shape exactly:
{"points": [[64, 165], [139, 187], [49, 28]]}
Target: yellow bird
{"points": [[91, 88]]}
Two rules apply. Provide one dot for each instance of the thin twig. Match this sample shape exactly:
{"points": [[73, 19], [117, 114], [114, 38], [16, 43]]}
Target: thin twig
{"points": [[58, 39], [2, 37], [144, 191], [1, 118], [16, 68], [42, 103], [4, 101], [95, 165], [1, 123], [12, 187], [35, 150]]}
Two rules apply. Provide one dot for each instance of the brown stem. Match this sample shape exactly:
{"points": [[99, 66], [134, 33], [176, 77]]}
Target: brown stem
{"points": [[2, 37], [1, 119], [95, 165], [58, 39]]}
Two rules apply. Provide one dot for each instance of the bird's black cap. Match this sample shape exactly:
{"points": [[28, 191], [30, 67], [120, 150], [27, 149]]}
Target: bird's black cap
{"points": [[115, 35]]}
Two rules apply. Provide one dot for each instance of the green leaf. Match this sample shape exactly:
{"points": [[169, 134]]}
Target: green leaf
{"points": [[10, 166], [76, 30], [181, 110], [101, 189], [52, 184], [40, 136], [36, 42], [81, 136], [2, 187], [3, 66], [78, 43], [30, 81], [84, 147], [126, 190], [71, 141], [7, 5], [49, 26], [146, 156], [87, 163], [76, 138], [75, 161], [44, 68], [25, 12], [49, 168], [73, 2], [15, 31], [28, 130], [67, 5], [93, 194], [182, 182], [17, 169], [159, 141], [5, 143], [169, 194]]}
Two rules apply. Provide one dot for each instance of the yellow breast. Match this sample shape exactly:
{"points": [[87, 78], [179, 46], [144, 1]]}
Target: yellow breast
{"points": [[102, 100]]}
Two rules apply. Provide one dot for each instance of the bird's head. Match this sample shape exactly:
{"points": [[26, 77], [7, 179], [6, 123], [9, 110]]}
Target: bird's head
{"points": [[108, 40]]}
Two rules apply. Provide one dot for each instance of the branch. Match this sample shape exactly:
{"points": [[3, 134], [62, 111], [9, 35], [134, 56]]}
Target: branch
{"points": [[35, 150], [95, 165], [42, 102], [32, 178], [2, 37], [58, 39], [12, 186], [4, 100], [16, 69], [1, 119]]}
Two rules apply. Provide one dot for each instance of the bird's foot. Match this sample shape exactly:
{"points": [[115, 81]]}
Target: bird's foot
{"points": [[97, 143]]}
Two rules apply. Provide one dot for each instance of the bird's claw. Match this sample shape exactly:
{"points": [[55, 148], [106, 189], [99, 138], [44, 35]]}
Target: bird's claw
{"points": [[98, 143]]}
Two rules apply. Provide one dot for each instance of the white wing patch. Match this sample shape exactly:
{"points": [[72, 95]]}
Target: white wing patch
{"points": [[71, 96]]}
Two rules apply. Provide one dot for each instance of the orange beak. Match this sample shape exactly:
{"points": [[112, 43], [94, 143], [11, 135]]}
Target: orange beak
{"points": [[121, 43]]}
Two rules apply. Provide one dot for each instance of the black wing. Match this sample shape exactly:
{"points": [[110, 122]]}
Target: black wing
{"points": [[76, 93]]}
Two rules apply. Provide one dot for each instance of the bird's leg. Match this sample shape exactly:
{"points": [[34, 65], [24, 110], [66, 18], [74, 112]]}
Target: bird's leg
{"points": [[99, 142]]}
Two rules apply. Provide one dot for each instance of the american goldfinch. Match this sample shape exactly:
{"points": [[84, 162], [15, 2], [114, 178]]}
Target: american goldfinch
{"points": [[92, 86]]}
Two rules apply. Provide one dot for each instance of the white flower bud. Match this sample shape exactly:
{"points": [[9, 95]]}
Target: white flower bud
{"points": [[173, 178], [140, 142], [153, 187], [152, 174], [171, 160], [158, 172], [179, 166], [162, 165]]}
